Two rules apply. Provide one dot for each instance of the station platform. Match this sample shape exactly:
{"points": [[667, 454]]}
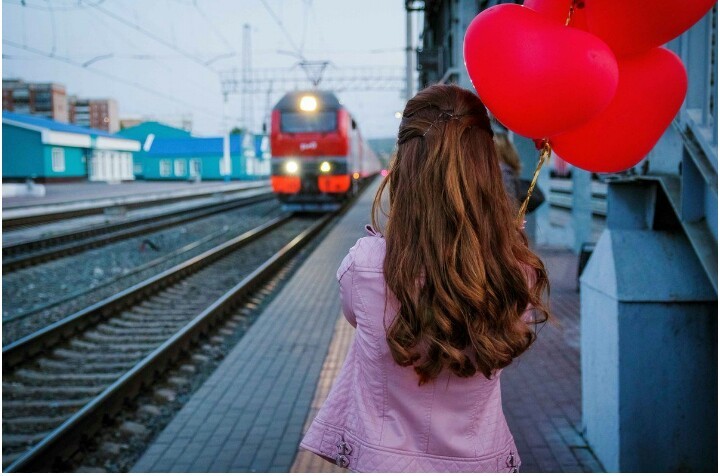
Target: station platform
{"points": [[251, 413], [78, 195]]}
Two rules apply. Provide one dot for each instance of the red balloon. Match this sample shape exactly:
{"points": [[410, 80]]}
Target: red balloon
{"points": [[537, 77], [557, 10], [633, 26], [651, 90]]}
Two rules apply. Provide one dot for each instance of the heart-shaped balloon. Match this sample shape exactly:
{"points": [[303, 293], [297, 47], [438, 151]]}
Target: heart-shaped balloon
{"points": [[558, 10], [537, 77], [634, 26], [651, 90]]}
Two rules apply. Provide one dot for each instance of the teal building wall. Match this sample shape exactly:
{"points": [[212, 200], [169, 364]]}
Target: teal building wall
{"points": [[24, 156], [75, 162], [209, 167], [22, 152], [142, 167], [209, 152]]}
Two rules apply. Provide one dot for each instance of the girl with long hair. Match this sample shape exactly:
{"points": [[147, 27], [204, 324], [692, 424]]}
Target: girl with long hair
{"points": [[443, 298]]}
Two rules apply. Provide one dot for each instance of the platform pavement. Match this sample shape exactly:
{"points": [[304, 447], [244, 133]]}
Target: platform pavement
{"points": [[251, 413], [74, 194]]}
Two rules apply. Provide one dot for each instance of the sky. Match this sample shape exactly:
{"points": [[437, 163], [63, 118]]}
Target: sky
{"points": [[165, 58]]}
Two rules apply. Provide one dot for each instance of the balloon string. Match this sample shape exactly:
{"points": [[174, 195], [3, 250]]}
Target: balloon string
{"points": [[544, 156], [570, 12]]}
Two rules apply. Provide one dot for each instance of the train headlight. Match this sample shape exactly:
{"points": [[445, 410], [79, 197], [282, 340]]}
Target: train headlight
{"points": [[325, 167], [291, 166], [308, 103]]}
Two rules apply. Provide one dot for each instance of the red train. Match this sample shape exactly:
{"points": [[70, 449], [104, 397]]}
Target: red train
{"points": [[319, 156]]}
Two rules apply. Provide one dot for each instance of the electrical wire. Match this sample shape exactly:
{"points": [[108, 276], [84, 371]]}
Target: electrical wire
{"points": [[307, 4], [52, 22], [80, 5], [282, 28], [152, 35], [215, 29], [125, 39], [119, 79]]}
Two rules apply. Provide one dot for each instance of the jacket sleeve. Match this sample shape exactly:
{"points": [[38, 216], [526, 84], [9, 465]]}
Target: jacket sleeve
{"points": [[345, 276]]}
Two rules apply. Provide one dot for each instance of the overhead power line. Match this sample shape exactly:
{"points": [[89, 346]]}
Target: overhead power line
{"points": [[79, 6], [134, 84], [283, 29], [216, 30], [152, 35]]}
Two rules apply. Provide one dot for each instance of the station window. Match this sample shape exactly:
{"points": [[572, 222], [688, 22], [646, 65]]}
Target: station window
{"points": [[165, 168], [58, 159], [179, 167], [195, 167]]}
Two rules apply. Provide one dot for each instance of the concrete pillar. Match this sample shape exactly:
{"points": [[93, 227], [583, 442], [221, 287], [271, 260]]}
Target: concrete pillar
{"points": [[581, 207], [648, 341]]}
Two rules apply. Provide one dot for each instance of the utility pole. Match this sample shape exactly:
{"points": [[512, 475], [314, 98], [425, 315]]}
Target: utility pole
{"points": [[247, 103], [266, 116], [229, 84], [409, 53]]}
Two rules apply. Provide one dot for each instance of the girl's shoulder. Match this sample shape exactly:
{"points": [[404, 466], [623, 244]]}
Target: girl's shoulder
{"points": [[369, 251]]}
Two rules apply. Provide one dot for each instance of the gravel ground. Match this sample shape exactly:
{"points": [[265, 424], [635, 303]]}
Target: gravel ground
{"points": [[44, 230], [116, 449], [164, 312], [28, 288]]}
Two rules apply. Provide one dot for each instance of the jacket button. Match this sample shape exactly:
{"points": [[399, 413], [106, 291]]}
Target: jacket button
{"points": [[344, 447], [342, 461]]}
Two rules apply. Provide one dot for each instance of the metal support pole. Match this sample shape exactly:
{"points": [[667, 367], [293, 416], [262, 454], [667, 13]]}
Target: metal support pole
{"points": [[226, 167], [409, 56]]}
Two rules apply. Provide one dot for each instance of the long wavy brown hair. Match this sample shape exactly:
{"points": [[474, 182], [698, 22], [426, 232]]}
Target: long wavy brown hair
{"points": [[456, 258]]}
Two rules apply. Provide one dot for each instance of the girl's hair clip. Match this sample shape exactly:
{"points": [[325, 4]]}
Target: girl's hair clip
{"points": [[444, 114]]}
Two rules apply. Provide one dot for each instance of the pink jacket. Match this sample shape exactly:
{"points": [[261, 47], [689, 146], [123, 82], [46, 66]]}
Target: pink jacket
{"points": [[376, 417]]}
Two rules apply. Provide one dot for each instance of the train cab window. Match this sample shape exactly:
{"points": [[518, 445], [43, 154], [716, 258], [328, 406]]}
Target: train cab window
{"points": [[300, 122]]}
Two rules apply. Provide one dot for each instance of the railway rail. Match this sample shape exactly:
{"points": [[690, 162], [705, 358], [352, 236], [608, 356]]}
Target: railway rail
{"points": [[60, 383], [28, 253], [15, 217]]}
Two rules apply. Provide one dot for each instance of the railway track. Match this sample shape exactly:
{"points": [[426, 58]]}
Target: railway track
{"points": [[16, 217], [28, 253], [61, 382]]}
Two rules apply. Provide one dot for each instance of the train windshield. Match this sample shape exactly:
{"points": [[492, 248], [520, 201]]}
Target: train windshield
{"points": [[300, 122]]}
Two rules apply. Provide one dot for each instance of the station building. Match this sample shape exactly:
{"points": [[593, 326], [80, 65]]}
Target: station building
{"points": [[202, 157], [146, 133], [171, 153], [49, 151]]}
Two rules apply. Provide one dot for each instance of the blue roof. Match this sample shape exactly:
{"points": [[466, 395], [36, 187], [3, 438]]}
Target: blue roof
{"points": [[188, 146], [45, 123]]}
